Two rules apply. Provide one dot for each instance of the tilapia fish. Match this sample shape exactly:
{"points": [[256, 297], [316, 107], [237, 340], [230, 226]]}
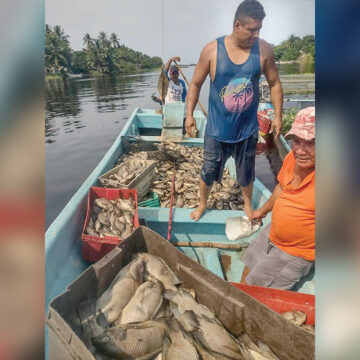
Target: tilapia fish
{"points": [[145, 303], [296, 317], [216, 339], [181, 346], [259, 350], [121, 290], [185, 302], [188, 163], [156, 268], [163, 84], [139, 341], [111, 218]]}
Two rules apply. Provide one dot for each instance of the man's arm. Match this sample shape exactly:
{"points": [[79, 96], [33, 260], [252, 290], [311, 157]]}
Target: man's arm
{"points": [[276, 93], [202, 69], [268, 206], [167, 65]]}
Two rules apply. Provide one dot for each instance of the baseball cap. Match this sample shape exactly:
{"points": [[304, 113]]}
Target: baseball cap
{"points": [[174, 68], [304, 124]]}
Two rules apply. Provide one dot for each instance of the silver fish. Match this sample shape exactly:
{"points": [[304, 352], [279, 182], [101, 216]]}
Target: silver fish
{"points": [[181, 346], [139, 341], [120, 291], [296, 317], [259, 348], [156, 268], [214, 337], [145, 303], [185, 302]]}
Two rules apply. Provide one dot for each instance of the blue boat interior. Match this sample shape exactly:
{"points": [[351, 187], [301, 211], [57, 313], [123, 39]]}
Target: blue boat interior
{"points": [[63, 239]]}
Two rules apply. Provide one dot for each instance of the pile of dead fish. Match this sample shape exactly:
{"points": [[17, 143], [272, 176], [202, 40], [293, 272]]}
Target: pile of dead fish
{"points": [[144, 314], [187, 163], [126, 173], [112, 218]]}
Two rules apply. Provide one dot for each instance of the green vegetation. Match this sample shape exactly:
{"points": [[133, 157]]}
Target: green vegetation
{"points": [[103, 55], [295, 48], [288, 117]]}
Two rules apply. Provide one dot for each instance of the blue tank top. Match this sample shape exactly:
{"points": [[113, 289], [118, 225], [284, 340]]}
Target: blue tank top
{"points": [[234, 96]]}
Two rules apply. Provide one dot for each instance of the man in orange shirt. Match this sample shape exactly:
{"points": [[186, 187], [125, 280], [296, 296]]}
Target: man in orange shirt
{"points": [[284, 251]]}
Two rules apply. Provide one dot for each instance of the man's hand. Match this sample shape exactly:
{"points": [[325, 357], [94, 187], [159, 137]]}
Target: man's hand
{"points": [[190, 125], [176, 58], [277, 126], [257, 215]]}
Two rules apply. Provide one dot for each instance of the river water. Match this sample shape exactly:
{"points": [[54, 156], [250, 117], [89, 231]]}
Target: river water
{"points": [[83, 118]]}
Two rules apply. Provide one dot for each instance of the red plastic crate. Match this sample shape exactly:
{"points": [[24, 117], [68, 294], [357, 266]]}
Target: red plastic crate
{"points": [[282, 300], [95, 247], [264, 122]]}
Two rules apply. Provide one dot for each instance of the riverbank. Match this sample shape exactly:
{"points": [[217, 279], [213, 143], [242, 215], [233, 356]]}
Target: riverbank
{"points": [[97, 74]]}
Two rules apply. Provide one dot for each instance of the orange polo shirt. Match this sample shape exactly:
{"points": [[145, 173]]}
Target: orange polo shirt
{"points": [[293, 214]]}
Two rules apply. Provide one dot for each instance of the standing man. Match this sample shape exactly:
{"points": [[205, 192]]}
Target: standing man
{"points": [[177, 89], [235, 63]]}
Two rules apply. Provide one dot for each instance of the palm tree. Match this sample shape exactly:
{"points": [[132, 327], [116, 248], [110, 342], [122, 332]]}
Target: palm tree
{"points": [[114, 40], [88, 41]]}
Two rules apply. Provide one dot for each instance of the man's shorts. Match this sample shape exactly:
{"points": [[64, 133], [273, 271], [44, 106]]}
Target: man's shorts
{"points": [[216, 154], [271, 267]]}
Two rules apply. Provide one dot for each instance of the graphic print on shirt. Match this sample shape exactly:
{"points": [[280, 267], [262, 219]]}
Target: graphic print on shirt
{"points": [[237, 95], [174, 92]]}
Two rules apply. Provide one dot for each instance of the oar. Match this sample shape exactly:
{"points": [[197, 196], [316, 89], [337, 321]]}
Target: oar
{"points": [[209, 245], [171, 205], [182, 74]]}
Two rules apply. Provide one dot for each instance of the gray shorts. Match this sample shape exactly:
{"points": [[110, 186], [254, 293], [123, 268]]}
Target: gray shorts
{"points": [[271, 267]]}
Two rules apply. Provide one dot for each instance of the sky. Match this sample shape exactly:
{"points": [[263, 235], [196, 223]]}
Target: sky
{"points": [[168, 28]]}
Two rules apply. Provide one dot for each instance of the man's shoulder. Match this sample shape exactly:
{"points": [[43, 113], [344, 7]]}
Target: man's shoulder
{"points": [[265, 48], [182, 82], [210, 47]]}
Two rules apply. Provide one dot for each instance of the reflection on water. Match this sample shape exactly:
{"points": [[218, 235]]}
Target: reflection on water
{"points": [[297, 68]]}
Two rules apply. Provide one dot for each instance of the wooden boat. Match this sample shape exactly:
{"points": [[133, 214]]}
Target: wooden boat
{"points": [[63, 245]]}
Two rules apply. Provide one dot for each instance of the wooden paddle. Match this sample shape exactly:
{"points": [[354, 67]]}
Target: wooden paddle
{"points": [[182, 74]]}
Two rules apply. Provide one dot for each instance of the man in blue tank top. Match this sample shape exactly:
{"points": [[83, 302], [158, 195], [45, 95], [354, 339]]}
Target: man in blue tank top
{"points": [[234, 63]]}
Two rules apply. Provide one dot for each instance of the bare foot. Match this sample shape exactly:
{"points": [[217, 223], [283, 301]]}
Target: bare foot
{"points": [[197, 213]]}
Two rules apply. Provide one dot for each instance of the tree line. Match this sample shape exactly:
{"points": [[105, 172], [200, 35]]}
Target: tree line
{"points": [[104, 55], [296, 48]]}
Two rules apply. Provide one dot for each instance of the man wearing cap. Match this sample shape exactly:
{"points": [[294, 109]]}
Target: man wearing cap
{"points": [[284, 251], [177, 89]]}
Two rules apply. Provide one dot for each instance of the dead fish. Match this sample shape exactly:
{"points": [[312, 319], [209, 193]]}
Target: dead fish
{"points": [[215, 338], [120, 291], [181, 346], [185, 302], [104, 219], [124, 205], [145, 303], [127, 231], [90, 231], [187, 319], [257, 350], [104, 203], [206, 355], [296, 317], [156, 268], [139, 341], [163, 84], [129, 218]]}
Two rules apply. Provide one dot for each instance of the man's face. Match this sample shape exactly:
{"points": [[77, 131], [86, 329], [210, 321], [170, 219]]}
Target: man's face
{"points": [[304, 152], [174, 76], [247, 30]]}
